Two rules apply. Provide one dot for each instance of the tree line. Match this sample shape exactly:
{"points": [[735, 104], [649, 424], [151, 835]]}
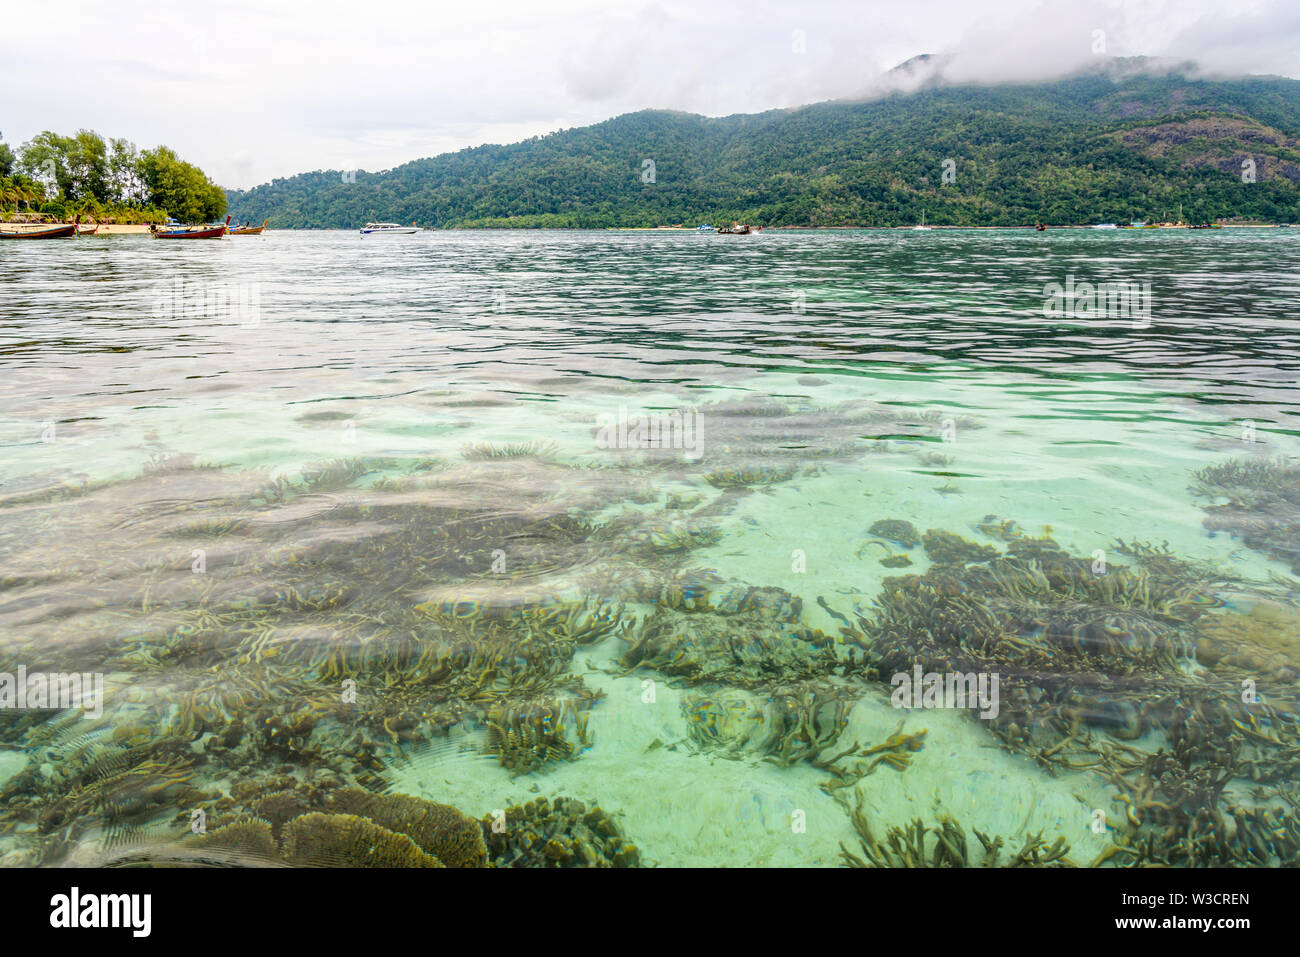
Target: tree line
{"points": [[1080, 150], [100, 180]]}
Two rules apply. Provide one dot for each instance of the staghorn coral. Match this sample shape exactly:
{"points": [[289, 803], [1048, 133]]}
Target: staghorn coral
{"points": [[746, 649], [1088, 659], [907, 847], [1262, 505]]}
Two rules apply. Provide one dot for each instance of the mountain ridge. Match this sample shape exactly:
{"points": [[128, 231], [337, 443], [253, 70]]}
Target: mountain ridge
{"points": [[1110, 144]]}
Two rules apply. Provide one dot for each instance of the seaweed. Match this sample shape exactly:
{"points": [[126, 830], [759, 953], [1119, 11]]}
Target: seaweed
{"points": [[945, 845]]}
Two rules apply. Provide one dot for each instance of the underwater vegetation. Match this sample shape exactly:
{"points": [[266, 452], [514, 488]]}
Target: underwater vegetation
{"points": [[332, 629], [486, 450], [916, 845], [897, 531], [1262, 506], [559, 833], [749, 476], [888, 533], [368, 607], [1090, 660], [757, 641], [527, 735], [328, 826]]}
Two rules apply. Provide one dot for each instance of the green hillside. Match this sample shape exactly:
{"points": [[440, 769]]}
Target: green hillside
{"points": [[1090, 148]]}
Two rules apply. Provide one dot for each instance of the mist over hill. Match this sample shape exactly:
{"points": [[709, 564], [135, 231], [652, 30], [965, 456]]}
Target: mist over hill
{"points": [[1130, 139]]}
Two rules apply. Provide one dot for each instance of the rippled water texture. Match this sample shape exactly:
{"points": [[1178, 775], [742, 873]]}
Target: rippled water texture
{"points": [[349, 532]]}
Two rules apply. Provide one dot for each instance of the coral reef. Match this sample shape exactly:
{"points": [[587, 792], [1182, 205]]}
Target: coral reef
{"points": [[559, 833], [1091, 658], [945, 548], [907, 847], [897, 531], [1262, 505], [345, 840]]}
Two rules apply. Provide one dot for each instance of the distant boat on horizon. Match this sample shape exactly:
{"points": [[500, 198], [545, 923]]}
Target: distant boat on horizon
{"points": [[922, 225], [395, 229]]}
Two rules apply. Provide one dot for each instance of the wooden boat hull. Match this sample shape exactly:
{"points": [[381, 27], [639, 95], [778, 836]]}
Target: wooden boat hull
{"points": [[194, 234], [54, 232], [249, 230], [215, 232]]}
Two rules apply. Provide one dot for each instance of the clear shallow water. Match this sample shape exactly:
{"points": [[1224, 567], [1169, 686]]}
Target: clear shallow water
{"points": [[237, 475]]}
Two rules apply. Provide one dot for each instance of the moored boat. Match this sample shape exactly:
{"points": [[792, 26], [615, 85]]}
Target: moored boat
{"points": [[249, 230], [207, 232], [48, 232]]}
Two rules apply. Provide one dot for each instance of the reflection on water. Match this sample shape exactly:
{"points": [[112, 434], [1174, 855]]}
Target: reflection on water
{"points": [[364, 544]]}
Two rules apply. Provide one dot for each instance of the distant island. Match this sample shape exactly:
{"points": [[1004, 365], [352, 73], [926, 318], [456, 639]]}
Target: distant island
{"points": [[61, 178], [1104, 146]]}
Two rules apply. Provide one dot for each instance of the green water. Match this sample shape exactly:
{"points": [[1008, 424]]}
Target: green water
{"points": [[332, 514]]}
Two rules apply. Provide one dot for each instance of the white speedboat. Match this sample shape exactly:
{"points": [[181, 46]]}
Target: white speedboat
{"points": [[371, 229]]}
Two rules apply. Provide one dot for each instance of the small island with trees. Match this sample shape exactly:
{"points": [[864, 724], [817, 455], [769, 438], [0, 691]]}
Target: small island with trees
{"points": [[54, 178]]}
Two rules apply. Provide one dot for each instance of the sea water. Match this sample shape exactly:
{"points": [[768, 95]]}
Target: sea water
{"points": [[240, 480]]}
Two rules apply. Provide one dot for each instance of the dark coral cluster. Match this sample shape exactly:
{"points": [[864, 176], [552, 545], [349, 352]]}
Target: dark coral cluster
{"points": [[341, 827], [332, 629], [1261, 505], [1092, 655], [559, 833]]}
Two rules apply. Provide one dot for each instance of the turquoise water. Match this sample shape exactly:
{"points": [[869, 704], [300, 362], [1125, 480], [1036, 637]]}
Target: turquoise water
{"points": [[333, 515]]}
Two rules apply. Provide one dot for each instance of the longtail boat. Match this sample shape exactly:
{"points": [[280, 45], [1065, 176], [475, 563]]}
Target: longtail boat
{"points": [[249, 230], [49, 232], [215, 232], [87, 230]]}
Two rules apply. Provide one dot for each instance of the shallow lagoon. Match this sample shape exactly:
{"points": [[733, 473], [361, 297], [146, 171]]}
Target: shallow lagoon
{"points": [[331, 516]]}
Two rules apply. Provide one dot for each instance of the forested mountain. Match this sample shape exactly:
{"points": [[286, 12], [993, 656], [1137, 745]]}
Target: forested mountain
{"points": [[1098, 147]]}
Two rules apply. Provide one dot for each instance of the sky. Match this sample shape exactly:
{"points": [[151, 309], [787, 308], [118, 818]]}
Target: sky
{"points": [[250, 91]]}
